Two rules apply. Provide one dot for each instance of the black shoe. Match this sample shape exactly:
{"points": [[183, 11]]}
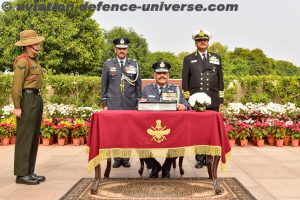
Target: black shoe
{"points": [[199, 164], [40, 178], [165, 174], [155, 170], [117, 164], [126, 163], [27, 180]]}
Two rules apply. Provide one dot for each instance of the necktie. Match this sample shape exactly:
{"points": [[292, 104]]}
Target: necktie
{"points": [[204, 57], [122, 65], [161, 90]]}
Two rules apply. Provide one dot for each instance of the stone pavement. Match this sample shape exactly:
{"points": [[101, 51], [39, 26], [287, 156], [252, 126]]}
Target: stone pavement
{"points": [[268, 172]]}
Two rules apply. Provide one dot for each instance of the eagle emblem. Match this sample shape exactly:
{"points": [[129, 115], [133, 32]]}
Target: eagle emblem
{"points": [[158, 132]]}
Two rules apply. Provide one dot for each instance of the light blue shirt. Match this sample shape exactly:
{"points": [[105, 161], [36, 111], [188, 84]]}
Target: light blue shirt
{"points": [[158, 86], [124, 61]]}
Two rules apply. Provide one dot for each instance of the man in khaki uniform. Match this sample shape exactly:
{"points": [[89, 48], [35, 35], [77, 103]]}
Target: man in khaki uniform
{"points": [[28, 107]]}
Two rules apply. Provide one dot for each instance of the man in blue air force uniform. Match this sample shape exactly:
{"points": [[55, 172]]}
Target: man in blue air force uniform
{"points": [[157, 92], [120, 85]]}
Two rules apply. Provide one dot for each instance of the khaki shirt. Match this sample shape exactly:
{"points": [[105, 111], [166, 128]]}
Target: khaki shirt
{"points": [[27, 74]]}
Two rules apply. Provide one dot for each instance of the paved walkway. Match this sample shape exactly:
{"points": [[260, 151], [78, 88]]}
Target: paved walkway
{"points": [[268, 172]]}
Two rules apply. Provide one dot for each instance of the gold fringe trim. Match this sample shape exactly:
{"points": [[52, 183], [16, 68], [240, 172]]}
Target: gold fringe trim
{"points": [[228, 157], [157, 153]]}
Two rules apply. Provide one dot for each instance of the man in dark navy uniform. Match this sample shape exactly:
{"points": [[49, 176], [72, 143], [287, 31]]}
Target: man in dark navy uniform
{"points": [[202, 72], [157, 92], [120, 84]]}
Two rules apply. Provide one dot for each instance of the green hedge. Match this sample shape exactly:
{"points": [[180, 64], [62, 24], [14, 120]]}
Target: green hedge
{"points": [[85, 90], [5, 89], [75, 90]]}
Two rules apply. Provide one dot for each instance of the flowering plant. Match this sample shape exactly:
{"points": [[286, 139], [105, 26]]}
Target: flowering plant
{"points": [[279, 129], [59, 110], [6, 130], [10, 121], [79, 128], [259, 129], [47, 128], [199, 101], [232, 132], [62, 129], [244, 130], [83, 112], [295, 131], [6, 111]]}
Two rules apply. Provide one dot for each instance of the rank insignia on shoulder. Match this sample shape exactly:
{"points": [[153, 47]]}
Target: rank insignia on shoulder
{"points": [[186, 94]]}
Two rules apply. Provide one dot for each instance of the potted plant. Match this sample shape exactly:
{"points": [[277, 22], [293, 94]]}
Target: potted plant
{"points": [[68, 124], [232, 134], [47, 130], [295, 135], [270, 134], [80, 126], [287, 137], [280, 131], [259, 130], [62, 132], [6, 131], [75, 136], [12, 121], [244, 130], [199, 101]]}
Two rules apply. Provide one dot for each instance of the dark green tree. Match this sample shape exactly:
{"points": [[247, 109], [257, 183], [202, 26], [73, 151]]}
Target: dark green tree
{"points": [[285, 68], [181, 55], [175, 62], [138, 48], [73, 44], [258, 62]]}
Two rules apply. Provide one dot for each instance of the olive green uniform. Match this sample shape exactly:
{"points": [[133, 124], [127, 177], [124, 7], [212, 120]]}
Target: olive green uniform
{"points": [[27, 82]]}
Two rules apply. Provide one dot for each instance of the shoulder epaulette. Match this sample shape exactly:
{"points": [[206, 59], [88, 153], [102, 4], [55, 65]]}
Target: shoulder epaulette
{"points": [[23, 55]]}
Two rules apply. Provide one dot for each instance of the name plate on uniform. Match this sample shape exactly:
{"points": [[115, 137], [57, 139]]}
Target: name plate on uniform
{"points": [[158, 106]]}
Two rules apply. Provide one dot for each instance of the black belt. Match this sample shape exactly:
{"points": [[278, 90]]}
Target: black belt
{"points": [[32, 91]]}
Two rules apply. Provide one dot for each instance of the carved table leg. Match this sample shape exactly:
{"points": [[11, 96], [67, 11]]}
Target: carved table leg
{"points": [[108, 168], [174, 163], [180, 165], [209, 164], [141, 170], [96, 182], [216, 183]]}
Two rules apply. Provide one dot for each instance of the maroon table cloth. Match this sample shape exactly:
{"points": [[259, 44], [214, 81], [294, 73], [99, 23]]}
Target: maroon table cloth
{"points": [[115, 133]]}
